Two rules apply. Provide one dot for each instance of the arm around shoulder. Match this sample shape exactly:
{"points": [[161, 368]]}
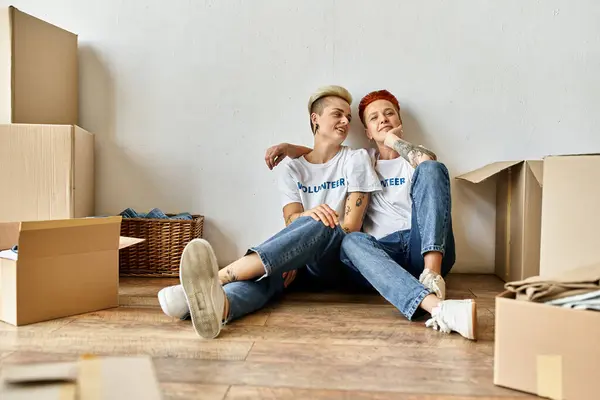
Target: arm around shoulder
{"points": [[275, 154]]}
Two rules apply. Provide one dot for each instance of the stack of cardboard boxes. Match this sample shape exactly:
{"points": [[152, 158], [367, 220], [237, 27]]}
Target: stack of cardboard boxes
{"points": [[547, 223], [64, 263]]}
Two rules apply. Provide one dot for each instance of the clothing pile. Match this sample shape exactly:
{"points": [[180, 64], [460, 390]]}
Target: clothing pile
{"points": [[578, 288], [155, 213], [10, 254]]}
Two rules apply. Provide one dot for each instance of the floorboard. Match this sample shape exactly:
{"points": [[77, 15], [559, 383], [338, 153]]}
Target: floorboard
{"points": [[319, 346]]}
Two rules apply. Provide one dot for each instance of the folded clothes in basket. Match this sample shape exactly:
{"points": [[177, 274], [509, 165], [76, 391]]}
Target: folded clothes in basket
{"points": [[155, 213]]}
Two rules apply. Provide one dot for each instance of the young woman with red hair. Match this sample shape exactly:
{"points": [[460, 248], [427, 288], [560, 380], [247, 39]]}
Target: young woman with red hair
{"points": [[406, 246]]}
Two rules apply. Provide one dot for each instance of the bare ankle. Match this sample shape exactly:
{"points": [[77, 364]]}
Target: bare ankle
{"points": [[433, 261], [430, 302]]}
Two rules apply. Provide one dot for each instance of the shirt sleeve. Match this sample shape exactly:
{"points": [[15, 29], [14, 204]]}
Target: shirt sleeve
{"points": [[411, 172], [360, 173], [288, 187]]}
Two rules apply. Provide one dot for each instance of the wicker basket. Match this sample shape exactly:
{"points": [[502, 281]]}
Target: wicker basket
{"points": [[160, 253]]}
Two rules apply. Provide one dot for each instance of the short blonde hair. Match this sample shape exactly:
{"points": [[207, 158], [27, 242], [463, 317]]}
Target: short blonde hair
{"points": [[315, 102]]}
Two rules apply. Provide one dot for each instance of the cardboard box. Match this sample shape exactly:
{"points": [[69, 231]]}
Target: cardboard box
{"points": [[90, 378], [570, 217], [546, 350], [63, 268], [38, 71], [47, 172], [518, 215]]}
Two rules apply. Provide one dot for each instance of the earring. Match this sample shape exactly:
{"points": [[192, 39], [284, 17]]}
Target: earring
{"points": [[316, 127]]}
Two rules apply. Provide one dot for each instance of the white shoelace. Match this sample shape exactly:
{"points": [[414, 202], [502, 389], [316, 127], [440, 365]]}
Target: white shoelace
{"points": [[437, 322], [432, 281]]}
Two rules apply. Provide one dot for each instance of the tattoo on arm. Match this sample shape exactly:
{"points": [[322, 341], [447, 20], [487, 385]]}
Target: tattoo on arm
{"points": [[359, 201], [412, 153]]}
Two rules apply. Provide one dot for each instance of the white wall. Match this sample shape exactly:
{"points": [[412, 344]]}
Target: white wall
{"points": [[185, 96]]}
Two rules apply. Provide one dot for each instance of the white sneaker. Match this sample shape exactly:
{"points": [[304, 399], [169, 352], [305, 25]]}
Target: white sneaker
{"points": [[433, 282], [199, 275], [172, 301], [455, 315]]}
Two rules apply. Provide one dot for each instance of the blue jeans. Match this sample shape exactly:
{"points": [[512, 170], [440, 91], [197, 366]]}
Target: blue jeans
{"points": [[392, 264], [306, 245]]}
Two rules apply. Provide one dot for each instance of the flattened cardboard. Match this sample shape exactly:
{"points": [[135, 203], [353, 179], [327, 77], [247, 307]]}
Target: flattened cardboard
{"points": [[105, 378], [46, 372], [518, 215], [64, 268], [546, 350], [570, 217], [39, 80], [47, 172], [123, 378]]}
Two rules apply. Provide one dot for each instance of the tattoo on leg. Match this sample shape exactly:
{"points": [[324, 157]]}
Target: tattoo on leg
{"points": [[348, 209], [346, 229], [231, 276]]}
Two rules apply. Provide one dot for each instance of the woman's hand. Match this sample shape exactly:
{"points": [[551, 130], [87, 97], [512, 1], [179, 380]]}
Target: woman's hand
{"points": [[323, 213], [415, 155], [289, 277], [275, 154]]}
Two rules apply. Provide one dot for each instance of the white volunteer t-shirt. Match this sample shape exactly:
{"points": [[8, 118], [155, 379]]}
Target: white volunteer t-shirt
{"points": [[390, 210], [314, 184]]}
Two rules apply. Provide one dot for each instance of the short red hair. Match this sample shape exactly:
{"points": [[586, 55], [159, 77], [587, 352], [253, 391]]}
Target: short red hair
{"points": [[374, 96]]}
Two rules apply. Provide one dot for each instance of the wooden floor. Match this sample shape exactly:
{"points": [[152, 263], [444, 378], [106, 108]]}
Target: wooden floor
{"points": [[309, 346]]}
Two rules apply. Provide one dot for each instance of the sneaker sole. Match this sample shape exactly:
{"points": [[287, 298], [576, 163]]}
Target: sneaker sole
{"points": [[199, 275]]}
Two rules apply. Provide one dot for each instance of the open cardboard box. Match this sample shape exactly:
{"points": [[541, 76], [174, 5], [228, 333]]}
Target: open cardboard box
{"points": [[546, 217], [546, 350], [543, 349], [518, 215], [97, 378], [62, 268]]}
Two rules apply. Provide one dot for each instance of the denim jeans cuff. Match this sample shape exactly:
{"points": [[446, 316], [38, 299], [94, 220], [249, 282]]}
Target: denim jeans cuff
{"points": [[416, 303], [265, 261], [230, 315], [437, 248]]}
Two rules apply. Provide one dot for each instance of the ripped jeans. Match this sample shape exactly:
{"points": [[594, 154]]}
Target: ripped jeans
{"points": [[306, 245]]}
